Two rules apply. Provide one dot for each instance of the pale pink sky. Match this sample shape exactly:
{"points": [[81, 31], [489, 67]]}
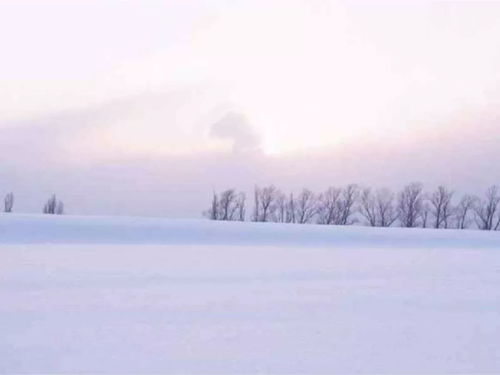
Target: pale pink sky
{"points": [[163, 98]]}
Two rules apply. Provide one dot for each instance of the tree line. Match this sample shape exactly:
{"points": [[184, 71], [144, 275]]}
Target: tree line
{"points": [[410, 207], [53, 206]]}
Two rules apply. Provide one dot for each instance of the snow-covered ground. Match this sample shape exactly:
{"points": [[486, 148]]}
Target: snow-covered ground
{"points": [[124, 295]]}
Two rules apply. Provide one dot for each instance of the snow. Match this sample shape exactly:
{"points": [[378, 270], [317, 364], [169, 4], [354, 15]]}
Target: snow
{"points": [[129, 295]]}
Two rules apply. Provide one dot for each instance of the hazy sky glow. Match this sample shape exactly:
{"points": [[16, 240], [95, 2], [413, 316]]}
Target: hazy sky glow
{"points": [[161, 97]]}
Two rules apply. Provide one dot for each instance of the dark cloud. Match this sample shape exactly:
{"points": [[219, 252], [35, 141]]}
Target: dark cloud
{"points": [[236, 127]]}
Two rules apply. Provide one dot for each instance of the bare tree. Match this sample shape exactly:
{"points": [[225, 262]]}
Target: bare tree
{"points": [[368, 207], [256, 204], [410, 204], [9, 202], [306, 206], [281, 208], [387, 214], [267, 199], [59, 208], [230, 206], [336, 206], [425, 213], [348, 199], [378, 209], [463, 210], [265, 204], [53, 206], [329, 206], [213, 212], [227, 205], [50, 206], [487, 210], [240, 206], [440, 206], [290, 210]]}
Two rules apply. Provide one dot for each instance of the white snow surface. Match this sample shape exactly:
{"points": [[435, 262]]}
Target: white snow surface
{"points": [[132, 295]]}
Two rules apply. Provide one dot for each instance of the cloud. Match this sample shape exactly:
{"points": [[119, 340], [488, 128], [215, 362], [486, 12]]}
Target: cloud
{"points": [[146, 124], [94, 160], [235, 127]]}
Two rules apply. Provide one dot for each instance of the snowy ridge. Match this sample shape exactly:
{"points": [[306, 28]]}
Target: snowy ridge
{"points": [[26, 229]]}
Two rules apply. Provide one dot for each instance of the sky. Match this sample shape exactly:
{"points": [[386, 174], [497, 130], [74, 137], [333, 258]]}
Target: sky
{"points": [[146, 107]]}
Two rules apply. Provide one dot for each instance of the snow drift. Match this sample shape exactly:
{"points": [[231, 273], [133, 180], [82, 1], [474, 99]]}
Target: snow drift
{"points": [[127, 295], [129, 230]]}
